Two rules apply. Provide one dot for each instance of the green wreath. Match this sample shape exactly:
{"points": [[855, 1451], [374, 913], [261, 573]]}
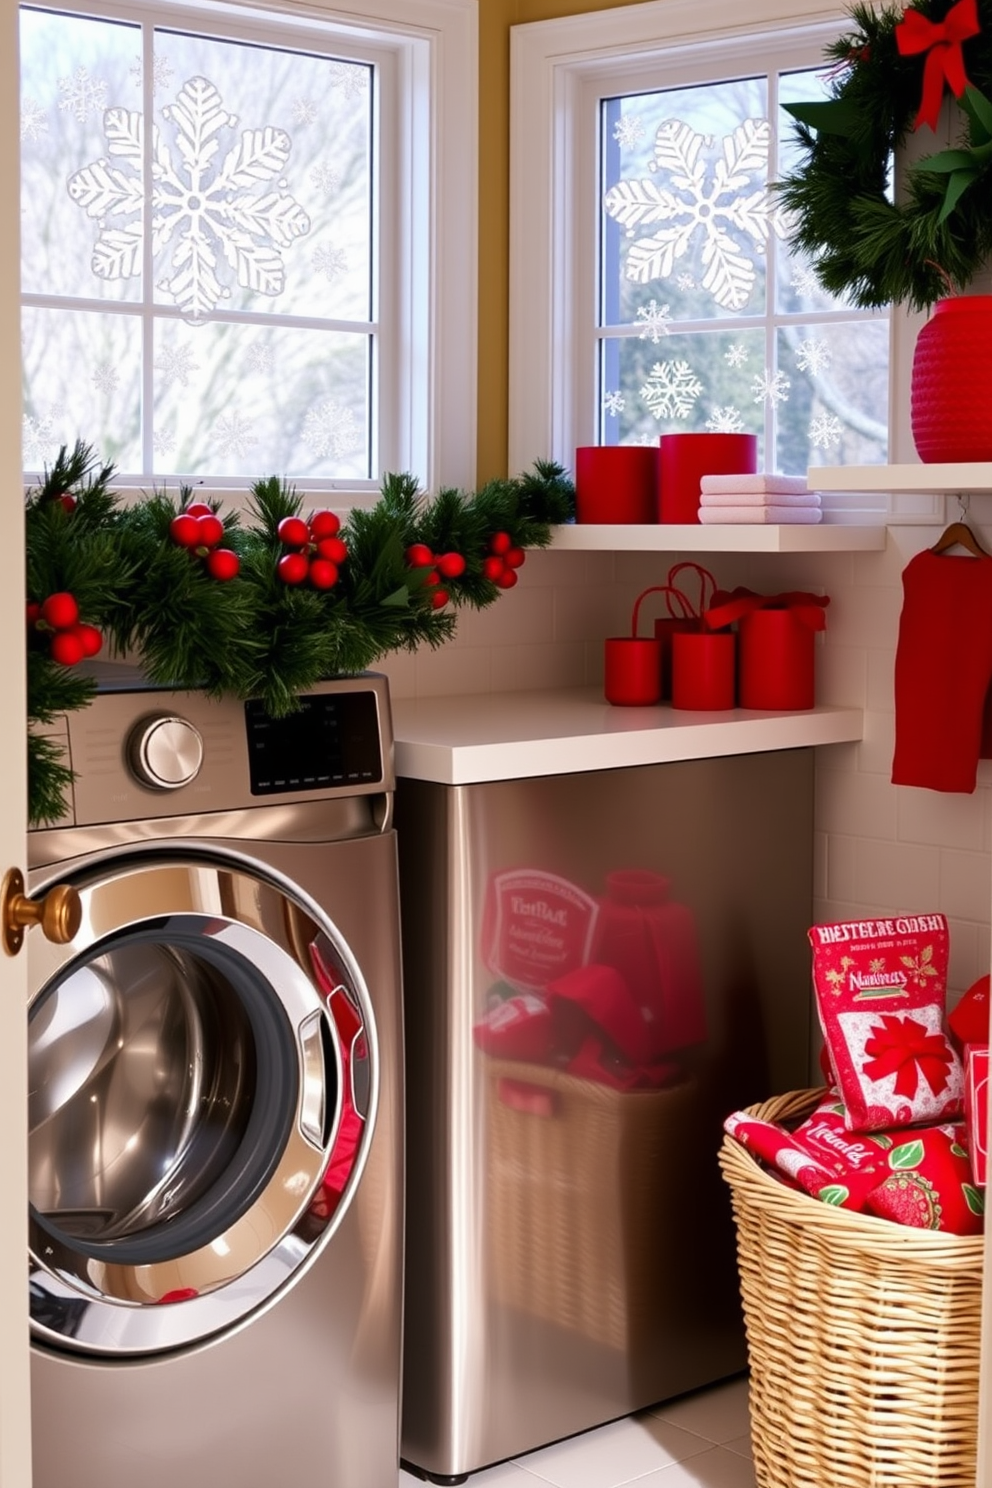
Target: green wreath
{"points": [[262, 607], [890, 76]]}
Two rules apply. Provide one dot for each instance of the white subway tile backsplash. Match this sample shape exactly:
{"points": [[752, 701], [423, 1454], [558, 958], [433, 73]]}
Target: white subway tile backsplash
{"points": [[880, 692], [523, 614], [841, 675], [454, 669], [856, 805], [937, 819], [965, 884], [898, 876], [522, 668], [867, 617], [875, 749], [842, 872]]}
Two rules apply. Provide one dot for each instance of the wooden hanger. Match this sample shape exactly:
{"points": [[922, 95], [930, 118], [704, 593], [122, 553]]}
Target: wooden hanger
{"points": [[959, 534]]}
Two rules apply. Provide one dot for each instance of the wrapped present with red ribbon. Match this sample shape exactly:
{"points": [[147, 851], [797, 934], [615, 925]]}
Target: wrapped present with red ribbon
{"points": [[881, 989], [976, 1108], [775, 645], [929, 1183]]}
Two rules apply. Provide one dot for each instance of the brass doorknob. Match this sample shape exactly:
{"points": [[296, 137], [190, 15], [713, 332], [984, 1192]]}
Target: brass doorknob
{"points": [[59, 912]]}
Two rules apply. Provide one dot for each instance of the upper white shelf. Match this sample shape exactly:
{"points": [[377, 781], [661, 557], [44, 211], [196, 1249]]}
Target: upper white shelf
{"points": [[826, 537], [511, 736], [974, 476]]}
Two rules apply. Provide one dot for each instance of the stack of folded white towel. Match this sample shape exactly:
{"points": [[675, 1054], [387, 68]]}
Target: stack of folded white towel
{"points": [[757, 498]]}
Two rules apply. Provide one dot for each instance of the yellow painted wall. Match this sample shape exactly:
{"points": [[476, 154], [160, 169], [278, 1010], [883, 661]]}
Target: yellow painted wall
{"points": [[495, 19]]}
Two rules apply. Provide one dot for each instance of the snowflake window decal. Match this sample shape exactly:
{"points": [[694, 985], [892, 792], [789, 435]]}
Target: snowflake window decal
{"points": [[614, 404], [725, 421], [671, 390], [813, 356], [655, 321], [723, 205], [770, 387], [825, 431], [206, 209]]}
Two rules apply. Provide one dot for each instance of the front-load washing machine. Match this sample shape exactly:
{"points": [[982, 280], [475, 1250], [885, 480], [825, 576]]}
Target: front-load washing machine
{"points": [[215, 1067]]}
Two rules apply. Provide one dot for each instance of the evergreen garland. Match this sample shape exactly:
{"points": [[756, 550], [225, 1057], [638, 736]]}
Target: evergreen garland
{"points": [[862, 244], [253, 635]]}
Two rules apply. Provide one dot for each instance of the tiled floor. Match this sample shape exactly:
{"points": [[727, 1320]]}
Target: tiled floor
{"points": [[698, 1441]]}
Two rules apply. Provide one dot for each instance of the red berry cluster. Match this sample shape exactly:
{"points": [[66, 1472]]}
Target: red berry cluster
{"points": [[65, 499], [58, 617], [444, 566], [316, 552], [199, 529], [502, 561]]}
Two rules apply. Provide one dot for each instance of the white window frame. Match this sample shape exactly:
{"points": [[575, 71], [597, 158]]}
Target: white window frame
{"points": [[554, 68], [428, 365]]}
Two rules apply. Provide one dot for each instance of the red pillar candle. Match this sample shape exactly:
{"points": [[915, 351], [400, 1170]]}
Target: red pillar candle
{"points": [[616, 483], [685, 458]]}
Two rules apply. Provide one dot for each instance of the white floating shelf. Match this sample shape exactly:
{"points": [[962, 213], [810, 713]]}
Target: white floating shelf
{"points": [[826, 537], [974, 476], [512, 736]]}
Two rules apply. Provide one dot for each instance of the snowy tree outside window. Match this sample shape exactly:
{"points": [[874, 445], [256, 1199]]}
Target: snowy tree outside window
{"points": [[182, 212], [688, 221]]}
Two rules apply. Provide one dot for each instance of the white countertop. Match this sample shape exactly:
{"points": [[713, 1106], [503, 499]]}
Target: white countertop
{"points": [[510, 736]]}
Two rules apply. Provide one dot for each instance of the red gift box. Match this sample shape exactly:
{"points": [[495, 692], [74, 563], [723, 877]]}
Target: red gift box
{"points": [[976, 1108], [776, 645]]}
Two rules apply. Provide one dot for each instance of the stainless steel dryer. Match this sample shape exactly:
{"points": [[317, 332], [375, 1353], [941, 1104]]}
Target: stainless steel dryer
{"points": [[215, 1066]]}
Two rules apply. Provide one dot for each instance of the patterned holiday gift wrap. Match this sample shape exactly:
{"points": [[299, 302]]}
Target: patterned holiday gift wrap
{"points": [[880, 992]]}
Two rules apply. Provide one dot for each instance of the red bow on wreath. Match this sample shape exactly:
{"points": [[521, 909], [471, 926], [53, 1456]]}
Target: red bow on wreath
{"points": [[906, 1049], [941, 40]]}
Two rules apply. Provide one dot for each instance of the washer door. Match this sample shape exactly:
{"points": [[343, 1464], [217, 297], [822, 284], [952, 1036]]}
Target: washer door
{"points": [[201, 1083]]}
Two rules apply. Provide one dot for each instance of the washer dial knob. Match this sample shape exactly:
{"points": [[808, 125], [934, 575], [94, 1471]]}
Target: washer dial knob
{"points": [[165, 751]]}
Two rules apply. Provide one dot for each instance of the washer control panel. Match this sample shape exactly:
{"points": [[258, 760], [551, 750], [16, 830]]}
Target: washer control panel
{"points": [[165, 751]]}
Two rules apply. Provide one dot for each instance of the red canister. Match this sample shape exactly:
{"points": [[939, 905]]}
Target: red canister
{"points": [[616, 483], [703, 670], [685, 458], [776, 660]]}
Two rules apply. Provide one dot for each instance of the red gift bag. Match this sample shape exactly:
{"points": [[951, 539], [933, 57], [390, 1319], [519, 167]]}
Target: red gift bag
{"points": [[776, 645]]}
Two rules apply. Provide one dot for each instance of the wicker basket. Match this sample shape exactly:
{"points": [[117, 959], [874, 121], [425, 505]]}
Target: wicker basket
{"points": [[577, 1199], [863, 1336]]}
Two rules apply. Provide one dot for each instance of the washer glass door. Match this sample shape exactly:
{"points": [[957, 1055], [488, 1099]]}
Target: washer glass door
{"points": [[198, 1101]]}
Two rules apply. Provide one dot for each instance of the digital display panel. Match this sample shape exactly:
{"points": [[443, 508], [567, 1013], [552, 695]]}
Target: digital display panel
{"points": [[330, 742]]}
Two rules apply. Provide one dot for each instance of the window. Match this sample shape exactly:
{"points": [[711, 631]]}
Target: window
{"points": [[230, 226], [643, 219]]}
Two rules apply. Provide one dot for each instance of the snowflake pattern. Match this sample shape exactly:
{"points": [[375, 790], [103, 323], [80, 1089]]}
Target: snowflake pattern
{"points": [[824, 431], [654, 318], [686, 282], [176, 364], [812, 355], [106, 378], [260, 357], [329, 261], [235, 435], [325, 178], [770, 387], [330, 429], [722, 203], [38, 438], [628, 130], [304, 112], [725, 421], [351, 77], [614, 403], [736, 355], [163, 441], [82, 95], [34, 120], [162, 70], [671, 390], [805, 282], [205, 208]]}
